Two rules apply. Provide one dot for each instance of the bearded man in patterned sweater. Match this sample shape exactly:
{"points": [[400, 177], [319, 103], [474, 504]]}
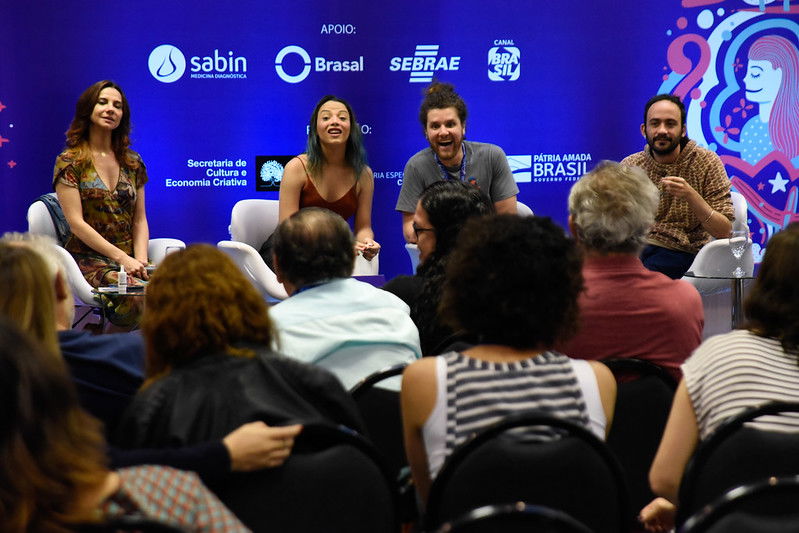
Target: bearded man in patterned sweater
{"points": [[695, 202]]}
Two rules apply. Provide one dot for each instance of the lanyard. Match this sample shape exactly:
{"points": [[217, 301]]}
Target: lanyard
{"points": [[462, 170]]}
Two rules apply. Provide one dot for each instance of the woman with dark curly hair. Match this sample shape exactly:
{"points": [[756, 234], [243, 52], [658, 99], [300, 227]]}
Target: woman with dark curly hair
{"points": [[512, 282], [100, 182], [732, 372], [441, 213]]}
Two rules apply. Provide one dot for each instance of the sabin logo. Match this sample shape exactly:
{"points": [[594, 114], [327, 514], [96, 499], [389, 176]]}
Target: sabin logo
{"points": [[167, 63]]}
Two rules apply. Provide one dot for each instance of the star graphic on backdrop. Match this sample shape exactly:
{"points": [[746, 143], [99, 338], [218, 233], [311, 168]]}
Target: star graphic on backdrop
{"points": [[3, 140], [761, 186], [778, 183], [11, 164], [2, 106]]}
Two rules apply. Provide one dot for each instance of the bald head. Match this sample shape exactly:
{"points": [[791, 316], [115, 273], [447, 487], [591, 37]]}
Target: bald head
{"points": [[313, 245]]}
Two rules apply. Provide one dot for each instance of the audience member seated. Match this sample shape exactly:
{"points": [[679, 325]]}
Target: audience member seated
{"points": [[57, 454], [731, 372], [441, 212], [512, 282], [107, 369], [627, 310], [32, 280], [332, 173], [347, 326], [209, 365]]}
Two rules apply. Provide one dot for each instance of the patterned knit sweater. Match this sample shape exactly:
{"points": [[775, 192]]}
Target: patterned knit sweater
{"points": [[676, 225]]}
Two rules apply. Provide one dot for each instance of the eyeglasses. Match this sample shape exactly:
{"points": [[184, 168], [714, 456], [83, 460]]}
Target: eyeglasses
{"points": [[417, 230]]}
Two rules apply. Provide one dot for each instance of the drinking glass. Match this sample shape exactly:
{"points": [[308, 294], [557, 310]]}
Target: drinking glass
{"points": [[739, 242]]}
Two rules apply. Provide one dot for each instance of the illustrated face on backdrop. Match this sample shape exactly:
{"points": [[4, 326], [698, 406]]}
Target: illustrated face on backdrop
{"points": [[762, 81], [425, 234], [333, 123], [663, 129], [107, 112], [444, 132]]}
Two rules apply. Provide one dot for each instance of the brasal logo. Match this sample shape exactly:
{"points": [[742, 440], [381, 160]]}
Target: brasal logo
{"points": [[306, 61]]}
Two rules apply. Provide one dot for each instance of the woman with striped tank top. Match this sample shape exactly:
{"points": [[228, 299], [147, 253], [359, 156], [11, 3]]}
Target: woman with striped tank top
{"points": [[513, 283], [732, 372]]}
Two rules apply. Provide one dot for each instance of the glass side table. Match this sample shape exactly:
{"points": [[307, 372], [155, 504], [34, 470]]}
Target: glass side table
{"points": [[737, 285]]}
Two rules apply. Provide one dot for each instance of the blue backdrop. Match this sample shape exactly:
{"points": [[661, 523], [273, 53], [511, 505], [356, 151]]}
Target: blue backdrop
{"points": [[551, 82]]}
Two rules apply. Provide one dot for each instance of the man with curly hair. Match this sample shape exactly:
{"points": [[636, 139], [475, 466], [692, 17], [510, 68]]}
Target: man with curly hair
{"points": [[450, 157], [694, 203], [331, 319]]}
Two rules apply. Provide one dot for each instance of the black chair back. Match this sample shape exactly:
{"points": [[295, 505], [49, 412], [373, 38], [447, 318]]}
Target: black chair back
{"points": [[643, 401], [575, 473], [380, 409], [768, 506], [736, 455], [334, 480], [514, 518]]}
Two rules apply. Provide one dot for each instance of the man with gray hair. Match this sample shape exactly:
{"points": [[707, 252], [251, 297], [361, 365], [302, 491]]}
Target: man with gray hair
{"points": [[347, 326], [627, 310]]}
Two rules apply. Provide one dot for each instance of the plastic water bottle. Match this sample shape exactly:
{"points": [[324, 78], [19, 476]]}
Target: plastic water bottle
{"points": [[122, 281]]}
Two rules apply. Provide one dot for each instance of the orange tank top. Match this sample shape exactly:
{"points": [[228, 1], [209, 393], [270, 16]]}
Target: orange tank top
{"points": [[344, 206]]}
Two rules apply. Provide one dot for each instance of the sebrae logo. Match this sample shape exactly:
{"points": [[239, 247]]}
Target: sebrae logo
{"points": [[424, 63]]}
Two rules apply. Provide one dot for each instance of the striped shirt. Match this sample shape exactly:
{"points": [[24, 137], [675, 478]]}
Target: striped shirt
{"points": [[732, 372], [480, 393]]}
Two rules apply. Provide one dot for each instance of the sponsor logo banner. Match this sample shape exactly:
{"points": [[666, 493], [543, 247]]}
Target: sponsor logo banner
{"points": [[424, 63], [270, 171], [504, 61], [168, 64], [293, 64]]}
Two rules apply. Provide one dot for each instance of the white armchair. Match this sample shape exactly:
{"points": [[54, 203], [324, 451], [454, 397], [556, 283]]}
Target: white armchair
{"points": [[253, 266], [715, 258], [252, 221], [40, 222], [523, 209]]}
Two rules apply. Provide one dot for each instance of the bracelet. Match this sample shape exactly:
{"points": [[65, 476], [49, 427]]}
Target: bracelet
{"points": [[708, 217]]}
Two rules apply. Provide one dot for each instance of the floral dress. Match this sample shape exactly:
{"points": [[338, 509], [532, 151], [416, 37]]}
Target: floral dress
{"points": [[111, 214]]}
